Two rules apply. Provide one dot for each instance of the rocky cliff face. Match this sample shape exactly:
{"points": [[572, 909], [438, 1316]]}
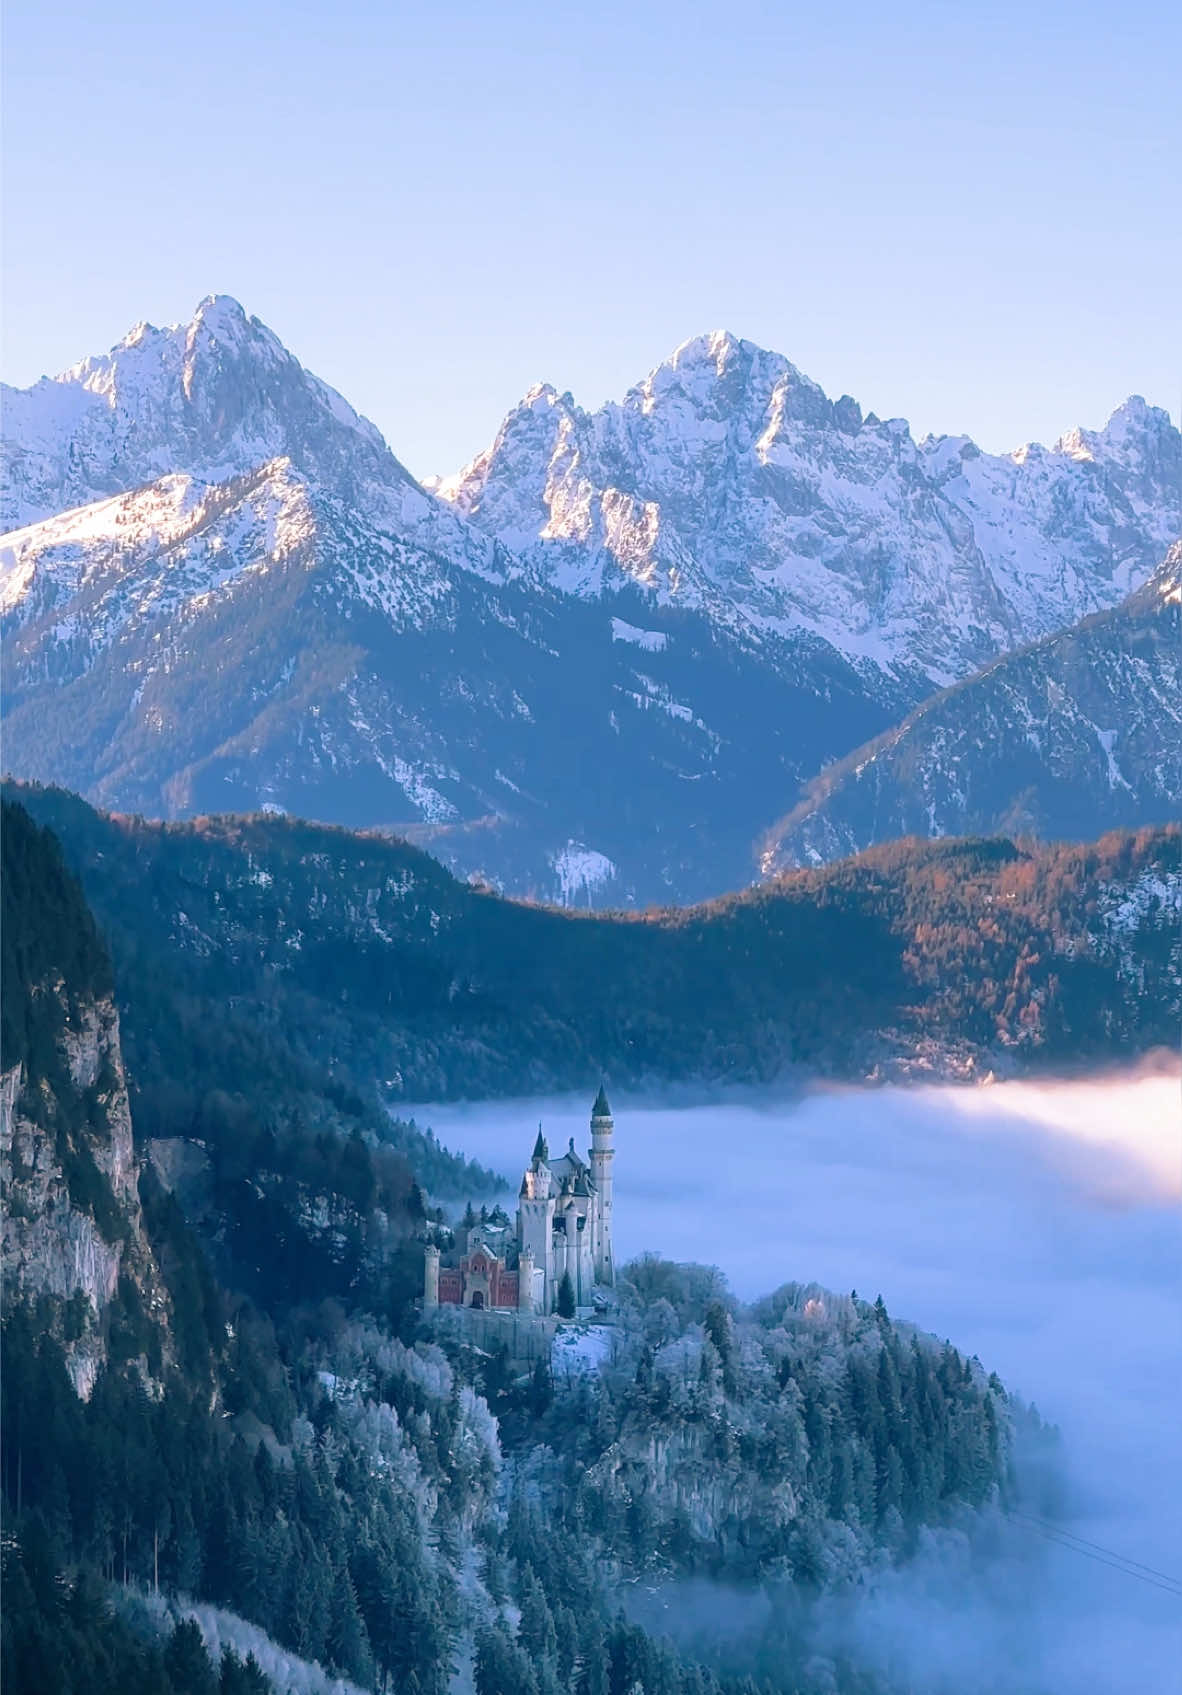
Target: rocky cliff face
{"points": [[73, 1238], [1079, 733]]}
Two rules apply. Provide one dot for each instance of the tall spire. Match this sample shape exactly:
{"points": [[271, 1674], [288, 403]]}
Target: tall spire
{"points": [[541, 1151], [602, 1157]]}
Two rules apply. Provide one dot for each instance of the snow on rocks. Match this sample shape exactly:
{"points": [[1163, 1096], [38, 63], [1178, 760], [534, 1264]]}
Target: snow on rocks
{"points": [[579, 1350], [653, 641], [581, 871], [727, 479]]}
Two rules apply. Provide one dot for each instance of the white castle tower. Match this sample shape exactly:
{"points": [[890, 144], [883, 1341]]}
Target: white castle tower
{"points": [[525, 1281], [535, 1215], [431, 1276], [564, 1232], [602, 1153], [564, 1212]]}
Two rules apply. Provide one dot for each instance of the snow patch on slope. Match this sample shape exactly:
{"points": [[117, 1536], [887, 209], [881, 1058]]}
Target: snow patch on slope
{"points": [[1127, 907], [653, 641], [580, 872]]}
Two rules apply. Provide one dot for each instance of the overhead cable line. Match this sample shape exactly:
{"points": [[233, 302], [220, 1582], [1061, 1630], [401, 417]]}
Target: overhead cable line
{"points": [[1092, 1551], [1095, 1547]]}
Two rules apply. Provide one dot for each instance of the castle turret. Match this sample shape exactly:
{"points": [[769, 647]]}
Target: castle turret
{"points": [[602, 1155], [431, 1276], [535, 1212], [571, 1235], [525, 1281]]}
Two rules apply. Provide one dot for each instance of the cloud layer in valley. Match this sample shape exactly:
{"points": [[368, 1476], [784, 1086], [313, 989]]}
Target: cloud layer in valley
{"points": [[1037, 1226]]}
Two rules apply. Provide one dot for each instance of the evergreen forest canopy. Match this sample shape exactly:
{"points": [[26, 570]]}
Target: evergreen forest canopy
{"points": [[294, 1450], [304, 964]]}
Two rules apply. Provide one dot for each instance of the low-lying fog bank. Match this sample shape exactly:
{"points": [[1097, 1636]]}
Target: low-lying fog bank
{"points": [[1037, 1226]]}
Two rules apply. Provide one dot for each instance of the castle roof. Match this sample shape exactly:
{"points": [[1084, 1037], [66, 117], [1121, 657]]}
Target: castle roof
{"points": [[601, 1108], [569, 1167], [541, 1151]]}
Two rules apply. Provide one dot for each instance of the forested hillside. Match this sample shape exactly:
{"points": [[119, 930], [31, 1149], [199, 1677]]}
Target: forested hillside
{"points": [[152, 1393], [316, 963], [263, 1427], [1079, 733]]}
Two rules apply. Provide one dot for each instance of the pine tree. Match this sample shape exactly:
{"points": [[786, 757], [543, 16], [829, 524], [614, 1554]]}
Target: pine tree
{"points": [[566, 1297], [501, 1668], [536, 1631], [188, 1664], [242, 1677], [348, 1643]]}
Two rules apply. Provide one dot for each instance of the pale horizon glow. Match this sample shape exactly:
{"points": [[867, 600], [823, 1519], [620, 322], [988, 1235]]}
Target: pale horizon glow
{"points": [[1134, 1124], [967, 218]]}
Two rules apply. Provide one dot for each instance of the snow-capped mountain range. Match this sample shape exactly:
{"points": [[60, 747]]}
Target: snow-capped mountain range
{"points": [[1079, 732], [728, 480], [592, 665]]}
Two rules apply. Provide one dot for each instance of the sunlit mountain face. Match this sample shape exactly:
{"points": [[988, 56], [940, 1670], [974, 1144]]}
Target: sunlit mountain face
{"points": [[596, 664]]}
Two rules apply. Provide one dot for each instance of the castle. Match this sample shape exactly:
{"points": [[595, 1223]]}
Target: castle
{"points": [[564, 1230]]}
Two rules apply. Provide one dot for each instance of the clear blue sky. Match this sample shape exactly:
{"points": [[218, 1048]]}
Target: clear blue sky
{"points": [[966, 214]]}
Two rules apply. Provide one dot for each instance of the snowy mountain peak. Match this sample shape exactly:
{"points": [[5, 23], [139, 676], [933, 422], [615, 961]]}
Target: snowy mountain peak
{"points": [[137, 333], [717, 349], [215, 397], [1135, 416], [1134, 427], [1135, 408], [728, 477], [220, 329], [539, 397], [718, 375], [532, 431], [228, 592], [720, 353], [147, 357], [223, 316]]}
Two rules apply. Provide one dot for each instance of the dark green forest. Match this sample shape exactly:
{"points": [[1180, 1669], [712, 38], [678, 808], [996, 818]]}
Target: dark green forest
{"points": [[271, 1431], [303, 964]]}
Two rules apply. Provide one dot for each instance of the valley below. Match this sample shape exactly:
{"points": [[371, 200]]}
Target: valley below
{"points": [[224, 1208], [1036, 1225]]}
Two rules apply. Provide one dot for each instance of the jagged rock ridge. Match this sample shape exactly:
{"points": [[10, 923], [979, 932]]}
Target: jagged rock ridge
{"points": [[590, 668], [1082, 731], [273, 614], [729, 480]]}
